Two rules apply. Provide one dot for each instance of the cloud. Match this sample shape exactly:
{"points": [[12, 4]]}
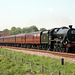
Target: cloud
{"points": [[50, 9]]}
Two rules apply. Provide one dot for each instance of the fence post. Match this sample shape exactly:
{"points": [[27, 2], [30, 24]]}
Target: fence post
{"points": [[22, 59], [10, 55], [53, 73], [42, 68], [15, 57], [31, 63], [62, 61], [6, 54], [3, 53], [59, 72]]}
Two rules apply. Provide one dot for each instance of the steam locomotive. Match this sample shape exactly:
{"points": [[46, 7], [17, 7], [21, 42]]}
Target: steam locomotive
{"points": [[57, 39]]}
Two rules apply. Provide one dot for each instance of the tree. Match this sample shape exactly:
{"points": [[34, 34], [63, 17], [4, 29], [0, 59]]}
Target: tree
{"points": [[13, 28], [29, 29], [6, 29], [42, 29], [33, 28], [18, 30], [24, 30], [12, 31]]}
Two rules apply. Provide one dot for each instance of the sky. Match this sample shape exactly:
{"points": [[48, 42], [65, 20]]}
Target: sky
{"points": [[40, 13]]}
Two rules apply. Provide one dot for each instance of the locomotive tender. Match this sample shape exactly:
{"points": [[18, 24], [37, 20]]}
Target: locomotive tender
{"points": [[56, 39]]}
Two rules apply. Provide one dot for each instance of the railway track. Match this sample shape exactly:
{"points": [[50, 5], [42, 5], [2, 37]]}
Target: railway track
{"points": [[70, 55]]}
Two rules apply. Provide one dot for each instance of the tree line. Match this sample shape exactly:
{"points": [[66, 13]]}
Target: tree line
{"points": [[18, 30]]}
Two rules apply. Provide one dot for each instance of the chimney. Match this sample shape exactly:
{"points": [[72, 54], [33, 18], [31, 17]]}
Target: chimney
{"points": [[70, 26]]}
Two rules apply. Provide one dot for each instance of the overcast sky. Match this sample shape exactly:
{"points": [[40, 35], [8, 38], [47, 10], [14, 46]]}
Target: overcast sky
{"points": [[41, 13]]}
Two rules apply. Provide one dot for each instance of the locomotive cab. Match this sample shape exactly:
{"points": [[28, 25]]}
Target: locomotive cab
{"points": [[45, 39]]}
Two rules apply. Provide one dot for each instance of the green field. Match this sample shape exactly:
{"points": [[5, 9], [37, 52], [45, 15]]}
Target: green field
{"points": [[18, 63]]}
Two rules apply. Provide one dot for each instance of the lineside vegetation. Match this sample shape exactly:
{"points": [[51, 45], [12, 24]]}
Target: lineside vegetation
{"points": [[18, 63]]}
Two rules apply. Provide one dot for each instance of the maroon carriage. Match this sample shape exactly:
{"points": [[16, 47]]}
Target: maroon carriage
{"points": [[20, 38], [6, 39], [36, 37], [33, 39], [12, 39], [1, 40], [29, 38]]}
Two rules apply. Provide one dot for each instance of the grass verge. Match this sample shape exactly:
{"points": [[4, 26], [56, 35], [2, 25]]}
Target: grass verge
{"points": [[18, 63]]}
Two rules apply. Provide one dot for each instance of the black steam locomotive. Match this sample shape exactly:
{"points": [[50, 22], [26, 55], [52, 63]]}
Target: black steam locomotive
{"points": [[60, 39]]}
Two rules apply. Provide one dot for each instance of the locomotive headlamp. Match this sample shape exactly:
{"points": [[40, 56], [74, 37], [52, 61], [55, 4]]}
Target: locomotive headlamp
{"points": [[66, 41], [61, 41]]}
